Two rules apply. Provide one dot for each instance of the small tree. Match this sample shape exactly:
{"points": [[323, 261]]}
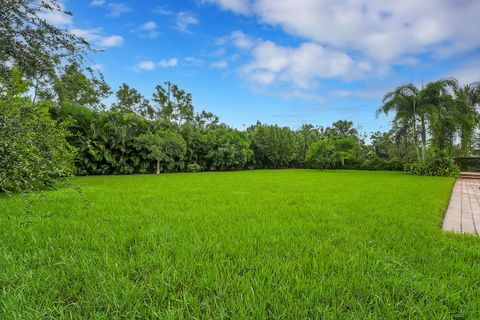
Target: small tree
{"points": [[130, 100], [162, 146], [74, 87], [322, 154]]}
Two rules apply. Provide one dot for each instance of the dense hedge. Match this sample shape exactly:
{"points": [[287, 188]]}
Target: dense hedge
{"points": [[470, 164]]}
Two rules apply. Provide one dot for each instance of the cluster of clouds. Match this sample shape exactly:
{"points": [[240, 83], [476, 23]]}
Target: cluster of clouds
{"points": [[351, 39], [96, 37], [93, 35], [115, 9], [148, 65], [183, 20]]}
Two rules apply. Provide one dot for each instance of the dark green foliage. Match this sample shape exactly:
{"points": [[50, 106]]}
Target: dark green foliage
{"points": [[73, 87], [440, 164], [105, 140], [470, 164], [172, 105], [273, 146], [376, 163], [33, 147], [228, 149], [194, 167], [323, 155], [130, 100]]}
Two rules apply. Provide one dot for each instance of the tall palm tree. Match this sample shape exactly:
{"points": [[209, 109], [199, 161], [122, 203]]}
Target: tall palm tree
{"points": [[404, 101], [308, 135], [442, 112], [467, 98]]}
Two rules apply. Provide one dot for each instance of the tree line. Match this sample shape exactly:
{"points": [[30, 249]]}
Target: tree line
{"points": [[54, 123]]}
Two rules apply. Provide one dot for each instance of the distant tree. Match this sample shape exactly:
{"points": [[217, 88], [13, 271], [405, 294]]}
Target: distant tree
{"points": [[467, 99], [405, 101], [163, 147], [442, 116], [206, 120], [307, 135], [173, 105], [345, 148], [322, 154], [228, 149], [343, 128], [74, 87], [130, 100], [382, 144], [273, 146]]}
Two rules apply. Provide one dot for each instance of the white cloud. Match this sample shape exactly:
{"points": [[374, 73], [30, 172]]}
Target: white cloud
{"points": [[110, 41], [194, 61], [469, 73], [238, 39], [148, 29], [381, 31], [97, 3], [146, 65], [239, 6], [220, 64], [149, 25], [241, 40], [95, 36], [168, 63], [184, 20], [300, 66], [161, 10], [117, 9]]}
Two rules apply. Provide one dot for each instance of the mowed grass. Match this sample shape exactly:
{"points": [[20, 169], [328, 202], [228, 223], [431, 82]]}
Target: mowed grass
{"points": [[276, 244]]}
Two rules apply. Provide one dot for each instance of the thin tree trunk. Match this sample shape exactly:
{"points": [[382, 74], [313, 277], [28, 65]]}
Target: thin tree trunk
{"points": [[415, 138], [424, 137], [158, 166]]}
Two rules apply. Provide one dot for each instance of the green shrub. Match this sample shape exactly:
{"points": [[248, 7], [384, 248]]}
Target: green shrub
{"points": [[376, 163], [471, 164], [194, 167], [437, 165], [33, 147]]}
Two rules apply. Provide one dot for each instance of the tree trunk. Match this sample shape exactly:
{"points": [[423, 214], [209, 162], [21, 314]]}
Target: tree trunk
{"points": [[415, 142], [424, 136], [158, 166]]}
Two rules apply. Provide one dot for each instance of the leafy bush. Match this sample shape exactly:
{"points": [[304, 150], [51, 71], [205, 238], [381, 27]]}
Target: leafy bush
{"points": [[194, 167], [376, 163], [33, 148], [437, 165], [471, 164]]}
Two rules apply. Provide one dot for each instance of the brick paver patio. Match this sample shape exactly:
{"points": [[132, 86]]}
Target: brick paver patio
{"points": [[463, 213]]}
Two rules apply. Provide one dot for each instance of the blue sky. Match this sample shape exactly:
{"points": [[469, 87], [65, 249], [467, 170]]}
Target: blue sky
{"points": [[281, 61]]}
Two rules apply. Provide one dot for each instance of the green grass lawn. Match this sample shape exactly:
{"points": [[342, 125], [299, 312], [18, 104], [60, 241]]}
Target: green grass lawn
{"points": [[259, 244]]}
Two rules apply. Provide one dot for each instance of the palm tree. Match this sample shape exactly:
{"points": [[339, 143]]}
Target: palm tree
{"points": [[442, 113], [404, 101], [467, 97], [344, 128], [307, 135]]}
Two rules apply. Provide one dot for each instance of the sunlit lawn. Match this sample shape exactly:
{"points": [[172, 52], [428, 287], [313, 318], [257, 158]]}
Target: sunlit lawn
{"points": [[259, 244]]}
